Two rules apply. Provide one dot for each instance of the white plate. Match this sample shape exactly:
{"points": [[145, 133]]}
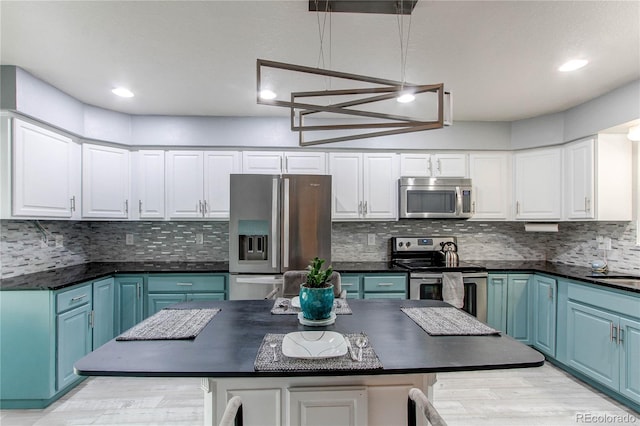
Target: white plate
{"points": [[317, 323], [314, 344], [295, 302]]}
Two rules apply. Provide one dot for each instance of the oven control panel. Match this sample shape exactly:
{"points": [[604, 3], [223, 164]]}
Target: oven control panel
{"points": [[420, 243]]}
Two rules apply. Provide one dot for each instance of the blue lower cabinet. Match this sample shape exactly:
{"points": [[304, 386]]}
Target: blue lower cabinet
{"points": [[74, 341], [630, 358], [497, 301], [164, 290], [103, 315], [351, 283], [592, 345], [603, 337], [544, 291], [129, 301], [509, 305]]}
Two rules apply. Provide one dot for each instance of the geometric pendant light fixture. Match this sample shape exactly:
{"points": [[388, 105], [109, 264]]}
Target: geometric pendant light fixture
{"points": [[337, 106]]}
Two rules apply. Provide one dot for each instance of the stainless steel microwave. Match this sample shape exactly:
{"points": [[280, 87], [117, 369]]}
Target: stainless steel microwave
{"points": [[435, 198]]}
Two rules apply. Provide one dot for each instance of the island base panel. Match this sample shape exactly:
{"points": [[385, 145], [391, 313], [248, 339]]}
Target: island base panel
{"points": [[296, 401]]}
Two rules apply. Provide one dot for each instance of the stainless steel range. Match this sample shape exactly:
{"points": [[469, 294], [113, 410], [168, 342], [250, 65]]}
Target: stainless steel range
{"points": [[427, 258]]}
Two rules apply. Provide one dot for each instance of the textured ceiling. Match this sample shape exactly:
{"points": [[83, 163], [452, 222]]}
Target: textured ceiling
{"points": [[198, 58]]}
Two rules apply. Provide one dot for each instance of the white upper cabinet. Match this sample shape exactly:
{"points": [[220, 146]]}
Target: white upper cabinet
{"points": [[538, 184], [185, 184], [364, 186], [433, 165], [198, 183], [277, 162], [491, 178], [46, 173], [219, 165], [598, 178], [105, 182], [579, 166], [148, 184]]}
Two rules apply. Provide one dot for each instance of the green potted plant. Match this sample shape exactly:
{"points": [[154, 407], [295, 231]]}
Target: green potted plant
{"points": [[316, 294]]}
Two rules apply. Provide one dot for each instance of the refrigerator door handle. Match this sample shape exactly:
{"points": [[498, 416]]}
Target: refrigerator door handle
{"points": [[274, 223], [285, 230]]}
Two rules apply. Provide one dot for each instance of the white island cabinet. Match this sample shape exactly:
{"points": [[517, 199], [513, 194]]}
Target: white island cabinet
{"points": [[46, 173], [105, 182]]}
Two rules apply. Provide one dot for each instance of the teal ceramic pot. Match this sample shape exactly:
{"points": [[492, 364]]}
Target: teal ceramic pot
{"points": [[316, 303]]}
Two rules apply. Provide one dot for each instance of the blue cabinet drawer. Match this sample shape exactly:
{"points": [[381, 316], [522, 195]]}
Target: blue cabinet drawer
{"points": [[186, 283], [351, 283], [76, 296], [388, 283], [385, 296], [626, 303]]}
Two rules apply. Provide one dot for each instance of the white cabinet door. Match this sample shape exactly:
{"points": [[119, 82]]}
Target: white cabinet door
{"points": [[538, 184], [364, 186], [433, 165], [46, 172], [380, 186], [218, 166], [415, 165], [149, 184], [262, 162], [185, 184], [346, 185], [579, 179], [327, 406], [105, 182], [305, 163], [491, 178], [449, 165]]}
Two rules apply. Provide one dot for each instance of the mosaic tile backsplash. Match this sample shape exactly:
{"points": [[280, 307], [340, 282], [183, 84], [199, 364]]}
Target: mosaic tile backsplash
{"points": [[24, 249]]}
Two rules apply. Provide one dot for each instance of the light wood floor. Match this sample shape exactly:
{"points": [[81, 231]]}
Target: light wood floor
{"points": [[535, 396]]}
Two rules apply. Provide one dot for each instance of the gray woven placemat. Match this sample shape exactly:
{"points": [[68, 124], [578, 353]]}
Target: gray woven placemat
{"points": [[282, 306], [170, 324], [448, 322], [264, 359]]}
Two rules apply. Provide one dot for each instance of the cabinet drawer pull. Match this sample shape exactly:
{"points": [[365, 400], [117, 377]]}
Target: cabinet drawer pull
{"points": [[126, 206], [78, 298], [365, 207], [346, 284], [184, 284], [73, 203], [620, 336], [385, 284], [140, 206]]}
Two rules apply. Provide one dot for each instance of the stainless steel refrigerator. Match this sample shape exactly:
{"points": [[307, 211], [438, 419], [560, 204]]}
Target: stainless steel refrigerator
{"points": [[277, 223]]}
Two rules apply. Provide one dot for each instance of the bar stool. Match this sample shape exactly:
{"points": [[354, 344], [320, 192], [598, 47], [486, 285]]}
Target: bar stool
{"points": [[418, 398], [232, 415]]}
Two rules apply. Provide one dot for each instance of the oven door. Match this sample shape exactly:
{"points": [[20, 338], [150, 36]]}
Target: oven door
{"points": [[429, 286]]}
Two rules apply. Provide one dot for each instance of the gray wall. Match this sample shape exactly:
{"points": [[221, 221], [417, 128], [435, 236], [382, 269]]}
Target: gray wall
{"points": [[35, 98], [22, 251]]}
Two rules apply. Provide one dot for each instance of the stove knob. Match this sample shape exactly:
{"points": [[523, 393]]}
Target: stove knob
{"points": [[408, 244], [400, 244]]}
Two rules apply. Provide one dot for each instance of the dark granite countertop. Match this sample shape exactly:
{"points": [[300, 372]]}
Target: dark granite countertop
{"points": [[223, 349], [56, 279], [571, 272]]}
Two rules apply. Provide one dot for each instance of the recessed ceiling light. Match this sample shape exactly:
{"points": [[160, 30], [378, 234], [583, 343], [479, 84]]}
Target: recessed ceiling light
{"points": [[123, 92], [572, 65], [267, 94], [406, 98], [634, 133]]}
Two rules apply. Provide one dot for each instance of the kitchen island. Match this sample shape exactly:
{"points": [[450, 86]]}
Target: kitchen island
{"points": [[224, 352]]}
